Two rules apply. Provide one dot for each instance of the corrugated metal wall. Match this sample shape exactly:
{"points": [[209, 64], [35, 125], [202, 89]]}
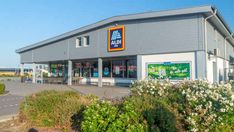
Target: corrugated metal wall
{"points": [[159, 35]]}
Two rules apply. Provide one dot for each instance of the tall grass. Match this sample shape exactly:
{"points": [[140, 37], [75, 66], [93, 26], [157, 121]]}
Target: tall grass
{"points": [[52, 108], [2, 88]]}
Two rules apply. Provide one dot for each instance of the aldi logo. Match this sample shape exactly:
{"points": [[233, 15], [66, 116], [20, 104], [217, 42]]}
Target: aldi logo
{"points": [[116, 38]]}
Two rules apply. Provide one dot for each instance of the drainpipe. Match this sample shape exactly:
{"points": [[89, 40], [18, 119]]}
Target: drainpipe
{"points": [[206, 42]]}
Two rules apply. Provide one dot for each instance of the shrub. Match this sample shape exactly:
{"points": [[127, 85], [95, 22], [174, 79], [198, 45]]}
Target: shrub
{"points": [[161, 118], [152, 87], [52, 108], [156, 113], [227, 124], [206, 103], [232, 83], [200, 104], [128, 119], [153, 106], [2, 88], [98, 116], [103, 116]]}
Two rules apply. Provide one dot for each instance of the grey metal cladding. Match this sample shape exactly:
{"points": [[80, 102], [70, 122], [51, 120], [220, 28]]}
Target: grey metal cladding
{"points": [[147, 15], [217, 40], [158, 35], [26, 57], [85, 52], [162, 35], [211, 42], [56, 51], [230, 51], [201, 33], [200, 62]]}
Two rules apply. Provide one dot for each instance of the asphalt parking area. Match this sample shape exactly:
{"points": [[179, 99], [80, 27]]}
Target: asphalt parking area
{"points": [[9, 103]]}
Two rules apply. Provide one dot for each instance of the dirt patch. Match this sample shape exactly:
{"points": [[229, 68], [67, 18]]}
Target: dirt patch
{"points": [[11, 126], [15, 126]]}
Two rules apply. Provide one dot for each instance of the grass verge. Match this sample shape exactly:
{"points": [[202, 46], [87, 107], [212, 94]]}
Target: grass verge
{"points": [[52, 108]]}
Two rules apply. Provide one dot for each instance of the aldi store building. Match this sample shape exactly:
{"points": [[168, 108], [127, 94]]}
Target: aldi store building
{"points": [[188, 43]]}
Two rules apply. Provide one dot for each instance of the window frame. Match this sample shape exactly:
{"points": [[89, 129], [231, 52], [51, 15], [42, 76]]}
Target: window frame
{"points": [[86, 41], [78, 42]]}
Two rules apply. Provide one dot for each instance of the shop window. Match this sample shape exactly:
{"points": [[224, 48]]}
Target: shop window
{"points": [[78, 42], [86, 69], [111, 68], [118, 68], [54, 70], [106, 69], [131, 69], [59, 70], [94, 69], [77, 69]]}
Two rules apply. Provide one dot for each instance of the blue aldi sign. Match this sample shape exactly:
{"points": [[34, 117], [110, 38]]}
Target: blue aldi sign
{"points": [[116, 38]]}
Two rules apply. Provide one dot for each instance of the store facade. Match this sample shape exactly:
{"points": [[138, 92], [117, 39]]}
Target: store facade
{"points": [[175, 44]]}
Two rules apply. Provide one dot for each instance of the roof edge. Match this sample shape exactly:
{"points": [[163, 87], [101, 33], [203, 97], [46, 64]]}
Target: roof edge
{"points": [[144, 15]]}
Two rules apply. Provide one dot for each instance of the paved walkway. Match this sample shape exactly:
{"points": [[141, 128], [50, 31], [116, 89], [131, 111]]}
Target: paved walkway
{"points": [[104, 92], [9, 103], [25, 89]]}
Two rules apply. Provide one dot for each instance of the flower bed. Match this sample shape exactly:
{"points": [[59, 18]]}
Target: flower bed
{"points": [[202, 106], [153, 106]]}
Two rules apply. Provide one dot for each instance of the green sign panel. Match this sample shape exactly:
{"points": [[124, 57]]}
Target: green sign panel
{"points": [[168, 70]]}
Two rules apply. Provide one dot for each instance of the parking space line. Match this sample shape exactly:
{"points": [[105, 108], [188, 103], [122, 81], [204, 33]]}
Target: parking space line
{"points": [[7, 106]]}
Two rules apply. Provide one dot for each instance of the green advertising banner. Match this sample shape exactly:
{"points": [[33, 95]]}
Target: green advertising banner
{"points": [[169, 70]]}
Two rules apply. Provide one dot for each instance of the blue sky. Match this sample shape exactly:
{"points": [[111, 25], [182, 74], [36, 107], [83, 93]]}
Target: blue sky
{"points": [[24, 22]]}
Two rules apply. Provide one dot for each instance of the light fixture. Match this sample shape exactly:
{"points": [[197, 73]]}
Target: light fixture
{"points": [[210, 53]]}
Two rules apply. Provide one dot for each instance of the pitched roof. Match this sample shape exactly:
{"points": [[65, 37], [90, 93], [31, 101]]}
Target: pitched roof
{"points": [[206, 10]]}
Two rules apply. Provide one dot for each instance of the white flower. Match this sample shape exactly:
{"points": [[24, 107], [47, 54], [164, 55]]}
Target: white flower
{"points": [[222, 110], [231, 104], [233, 96]]}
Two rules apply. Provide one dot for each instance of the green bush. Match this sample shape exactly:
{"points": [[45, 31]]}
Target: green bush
{"points": [[128, 119], [2, 88], [134, 113], [156, 113], [161, 118], [98, 116], [52, 108], [153, 106], [104, 116], [198, 105], [227, 124], [232, 83]]}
